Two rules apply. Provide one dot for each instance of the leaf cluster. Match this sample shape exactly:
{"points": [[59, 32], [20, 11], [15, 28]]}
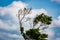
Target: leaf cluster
{"points": [[36, 35], [43, 19]]}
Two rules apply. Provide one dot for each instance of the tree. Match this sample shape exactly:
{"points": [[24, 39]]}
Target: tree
{"points": [[34, 34]]}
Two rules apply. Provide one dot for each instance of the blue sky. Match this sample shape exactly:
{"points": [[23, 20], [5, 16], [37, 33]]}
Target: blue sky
{"points": [[47, 4], [9, 8]]}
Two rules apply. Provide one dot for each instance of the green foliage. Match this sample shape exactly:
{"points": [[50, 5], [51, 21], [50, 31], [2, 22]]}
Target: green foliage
{"points": [[35, 34], [43, 18]]}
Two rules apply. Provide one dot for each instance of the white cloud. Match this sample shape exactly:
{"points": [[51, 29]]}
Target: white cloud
{"points": [[58, 38], [50, 33], [57, 22], [6, 26], [58, 1], [9, 36], [12, 10], [37, 12]]}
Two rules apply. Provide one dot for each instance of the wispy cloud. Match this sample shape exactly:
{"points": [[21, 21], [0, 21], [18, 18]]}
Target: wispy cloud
{"points": [[58, 38], [8, 36], [58, 1], [57, 21]]}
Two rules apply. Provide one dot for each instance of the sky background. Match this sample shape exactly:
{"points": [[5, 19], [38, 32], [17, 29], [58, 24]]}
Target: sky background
{"points": [[9, 26]]}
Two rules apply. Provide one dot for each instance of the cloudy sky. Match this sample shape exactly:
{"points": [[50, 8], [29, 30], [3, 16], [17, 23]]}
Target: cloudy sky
{"points": [[9, 25]]}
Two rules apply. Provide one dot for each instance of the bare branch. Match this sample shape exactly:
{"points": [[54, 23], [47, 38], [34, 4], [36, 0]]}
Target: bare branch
{"points": [[29, 10], [23, 13], [26, 11], [23, 17]]}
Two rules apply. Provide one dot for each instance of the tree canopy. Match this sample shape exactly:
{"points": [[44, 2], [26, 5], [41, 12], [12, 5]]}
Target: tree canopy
{"points": [[34, 33]]}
